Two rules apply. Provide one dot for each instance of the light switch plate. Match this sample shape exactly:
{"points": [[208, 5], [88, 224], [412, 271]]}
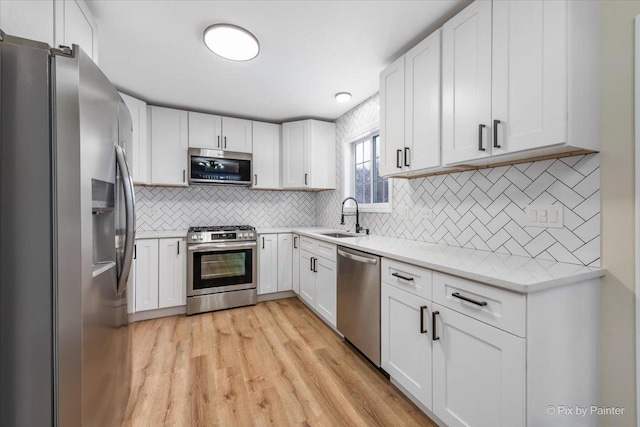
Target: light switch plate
{"points": [[547, 216], [427, 213], [403, 212]]}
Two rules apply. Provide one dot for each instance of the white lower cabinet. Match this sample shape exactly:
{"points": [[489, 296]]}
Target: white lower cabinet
{"points": [[406, 341], [275, 267], [295, 270], [478, 372], [160, 273], [319, 277]]}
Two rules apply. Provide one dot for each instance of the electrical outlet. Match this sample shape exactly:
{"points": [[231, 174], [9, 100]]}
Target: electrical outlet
{"points": [[427, 213], [152, 211], [547, 216], [403, 212]]}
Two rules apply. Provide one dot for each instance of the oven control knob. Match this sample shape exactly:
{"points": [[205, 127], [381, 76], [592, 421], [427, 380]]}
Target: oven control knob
{"points": [[251, 235], [244, 235]]}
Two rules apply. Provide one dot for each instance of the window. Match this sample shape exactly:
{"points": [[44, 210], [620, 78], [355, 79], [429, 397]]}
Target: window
{"points": [[367, 186]]}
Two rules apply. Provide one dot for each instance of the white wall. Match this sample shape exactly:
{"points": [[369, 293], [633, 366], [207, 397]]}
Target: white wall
{"points": [[617, 292]]}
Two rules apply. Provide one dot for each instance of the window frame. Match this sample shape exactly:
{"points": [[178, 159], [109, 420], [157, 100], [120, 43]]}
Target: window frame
{"points": [[349, 172]]}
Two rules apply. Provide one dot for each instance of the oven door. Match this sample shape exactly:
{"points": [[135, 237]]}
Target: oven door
{"points": [[221, 267]]}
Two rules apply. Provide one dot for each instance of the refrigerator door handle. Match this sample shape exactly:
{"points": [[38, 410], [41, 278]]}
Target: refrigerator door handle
{"points": [[130, 227]]}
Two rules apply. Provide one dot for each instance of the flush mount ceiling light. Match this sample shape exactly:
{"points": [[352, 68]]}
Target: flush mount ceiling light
{"points": [[231, 42], [343, 96]]}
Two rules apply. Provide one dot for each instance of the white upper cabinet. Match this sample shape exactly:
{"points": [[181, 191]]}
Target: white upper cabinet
{"points": [[169, 145], [266, 156], [529, 83], [309, 155], [410, 110], [29, 19], [520, 80], [466, 84], [75, 25], [392, 118], [236, 135], [219, 133], [139, 152], [422, 105], [205, 131]]}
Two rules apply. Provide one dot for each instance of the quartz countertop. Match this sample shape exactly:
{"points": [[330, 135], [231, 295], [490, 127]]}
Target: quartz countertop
{"points": [[511, 272]]}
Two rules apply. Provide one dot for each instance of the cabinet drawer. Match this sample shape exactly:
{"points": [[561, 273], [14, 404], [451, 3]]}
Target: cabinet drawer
{"points": [[416, 280], [319, 248], [497, 307]]}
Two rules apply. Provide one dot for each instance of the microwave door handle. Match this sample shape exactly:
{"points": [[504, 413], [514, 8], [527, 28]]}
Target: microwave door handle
{"points": [[130, 219]]}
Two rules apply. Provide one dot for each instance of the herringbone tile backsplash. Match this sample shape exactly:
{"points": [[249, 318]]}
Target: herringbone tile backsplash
{"points": [[476, 209], [165, 208], [484, 209]]}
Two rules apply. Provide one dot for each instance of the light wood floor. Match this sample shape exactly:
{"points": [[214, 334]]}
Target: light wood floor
{"points": [[271, 364]]}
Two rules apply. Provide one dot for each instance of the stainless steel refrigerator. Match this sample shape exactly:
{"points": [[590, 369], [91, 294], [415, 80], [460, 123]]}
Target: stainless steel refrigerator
{"points": [[66, 239]]}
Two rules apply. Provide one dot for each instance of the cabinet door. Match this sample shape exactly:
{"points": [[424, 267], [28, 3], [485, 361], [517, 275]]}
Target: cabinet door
{"points": [[138, 154], [236, 135], [326, 289], [322, 150], [307, 278], [268, 264], [75, 25], [478, 373], [529, 74], [466, 84], [172, 270], [205, 131], [406, 341], [295, 147], [295, 279], [285, 271], [146, 254], [266, 156], [422, 104], [131, 289], [28, 19], [392, 118], [169, 145]]}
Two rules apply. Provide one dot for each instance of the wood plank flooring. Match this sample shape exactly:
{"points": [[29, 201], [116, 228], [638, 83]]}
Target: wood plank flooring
{"points": [[275, 363]]}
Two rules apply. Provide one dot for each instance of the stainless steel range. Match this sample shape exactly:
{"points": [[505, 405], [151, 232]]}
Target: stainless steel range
{"points": [[221, 268]]}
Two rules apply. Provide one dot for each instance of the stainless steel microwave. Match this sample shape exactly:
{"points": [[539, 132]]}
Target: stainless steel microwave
{"points": [[219, 167]]}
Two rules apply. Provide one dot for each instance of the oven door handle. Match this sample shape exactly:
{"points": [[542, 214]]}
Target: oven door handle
{"points": [[204, 247]]}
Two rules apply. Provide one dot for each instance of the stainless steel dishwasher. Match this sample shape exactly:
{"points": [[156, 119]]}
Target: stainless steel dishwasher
{"points": [[359, 301]]}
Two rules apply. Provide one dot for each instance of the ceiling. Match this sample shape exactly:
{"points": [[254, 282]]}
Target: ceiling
{"points": [[309, 51]]}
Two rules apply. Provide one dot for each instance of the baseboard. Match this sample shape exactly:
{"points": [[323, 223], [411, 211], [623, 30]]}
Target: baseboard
{"points": [[420, 406], [276, 295], [154, 314]]}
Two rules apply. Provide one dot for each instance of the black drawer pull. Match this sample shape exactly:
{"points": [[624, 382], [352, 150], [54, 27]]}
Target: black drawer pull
{"points": [[422, 328], [472, 301], [433, 326], [400, 276]]}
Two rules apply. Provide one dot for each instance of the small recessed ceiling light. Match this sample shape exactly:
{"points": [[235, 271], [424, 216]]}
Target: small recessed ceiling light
{"points": [[343, 96], [231, 42]]}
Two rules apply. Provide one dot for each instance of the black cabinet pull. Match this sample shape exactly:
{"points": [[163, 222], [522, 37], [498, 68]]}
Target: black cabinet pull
{"points": [[218, 141], [184, 174], [495, 133], [295, 242], [433, 325], [311, 263], [398, 155], [422, 328], [407, 152], [315, 265], [225, 142], [135, 251], [255, 179], [400, 276], [480, 128], [178, 247], [472, 301], [263, 243]]}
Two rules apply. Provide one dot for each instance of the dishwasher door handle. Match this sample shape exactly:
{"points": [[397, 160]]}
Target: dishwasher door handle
{"points": [[358, 258]]}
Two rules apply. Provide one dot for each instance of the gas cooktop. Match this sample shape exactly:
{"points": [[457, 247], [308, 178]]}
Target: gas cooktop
{"points": [[218, 228]]}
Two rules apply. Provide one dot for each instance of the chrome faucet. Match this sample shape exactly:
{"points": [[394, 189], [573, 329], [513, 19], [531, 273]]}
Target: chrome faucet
{"points": [[342, 215]]}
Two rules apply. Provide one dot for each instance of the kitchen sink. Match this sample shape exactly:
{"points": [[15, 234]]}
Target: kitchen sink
{"points": [[338, 235]]}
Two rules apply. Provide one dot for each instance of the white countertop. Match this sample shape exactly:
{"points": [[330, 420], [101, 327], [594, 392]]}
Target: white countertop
{"points": [[515, 273]]}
